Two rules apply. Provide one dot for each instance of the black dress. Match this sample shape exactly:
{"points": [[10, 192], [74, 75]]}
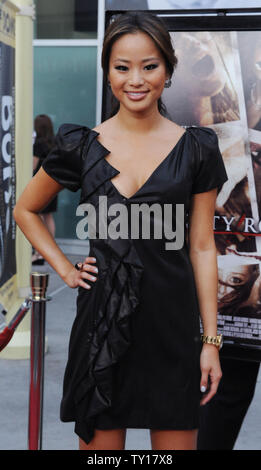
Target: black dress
{"points": [[135, 343]]}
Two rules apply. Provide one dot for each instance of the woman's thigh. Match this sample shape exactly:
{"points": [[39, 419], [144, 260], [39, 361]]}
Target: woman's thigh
{"points": [[105, 439], [173, 440]]}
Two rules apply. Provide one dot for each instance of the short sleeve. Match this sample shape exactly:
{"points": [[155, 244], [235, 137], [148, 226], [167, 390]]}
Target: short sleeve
{"points": [[210, 171], [64, 161]]}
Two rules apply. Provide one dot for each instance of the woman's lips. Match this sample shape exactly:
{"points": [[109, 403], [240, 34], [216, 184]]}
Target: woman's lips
{"points": [[136, 95]]}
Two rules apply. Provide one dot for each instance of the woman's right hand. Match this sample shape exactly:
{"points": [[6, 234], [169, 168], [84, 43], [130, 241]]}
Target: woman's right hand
{"points": [[75, 278]]}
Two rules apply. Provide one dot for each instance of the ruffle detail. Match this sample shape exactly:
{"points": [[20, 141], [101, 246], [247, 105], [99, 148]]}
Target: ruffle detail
{"points": [[112, 334], [96, 170], [120, 274]]}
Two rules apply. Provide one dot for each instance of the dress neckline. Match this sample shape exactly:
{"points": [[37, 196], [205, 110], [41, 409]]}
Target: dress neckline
{"points": [[107, 151]]}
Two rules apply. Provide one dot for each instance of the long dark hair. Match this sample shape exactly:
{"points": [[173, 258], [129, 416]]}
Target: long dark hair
{"points": [[130, 23], [43, 127]]}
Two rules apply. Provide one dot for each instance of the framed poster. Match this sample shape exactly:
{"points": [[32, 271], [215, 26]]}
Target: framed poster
{"points": [[217, 84]]}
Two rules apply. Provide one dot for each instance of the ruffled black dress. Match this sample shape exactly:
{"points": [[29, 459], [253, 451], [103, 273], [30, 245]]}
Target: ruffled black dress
{"points": [[134, 349]]}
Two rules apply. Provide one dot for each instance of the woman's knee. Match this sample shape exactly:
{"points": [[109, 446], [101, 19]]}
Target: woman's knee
{"points": [[105, 439], [173, 440]]}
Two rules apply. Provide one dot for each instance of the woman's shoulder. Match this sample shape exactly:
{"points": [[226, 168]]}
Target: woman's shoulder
{"points": [[170, 127], [107, 132], [106, 127], [70, 135], [203, 133], [202, 136], [204, 139], [70, 128]]}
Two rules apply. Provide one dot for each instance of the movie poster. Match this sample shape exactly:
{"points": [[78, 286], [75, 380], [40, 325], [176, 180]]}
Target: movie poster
{"points": [[217, 84], [7, 155]]}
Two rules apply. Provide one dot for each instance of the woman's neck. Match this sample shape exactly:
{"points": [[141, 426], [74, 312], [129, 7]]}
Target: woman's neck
{"points": [[138, 123]]}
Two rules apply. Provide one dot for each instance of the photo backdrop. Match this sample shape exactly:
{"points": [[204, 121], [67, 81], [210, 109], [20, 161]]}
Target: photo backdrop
{"points": [[217, 84]]}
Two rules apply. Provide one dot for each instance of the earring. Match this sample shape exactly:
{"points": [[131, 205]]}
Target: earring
{"points": [[109, 84], [167, 83]]}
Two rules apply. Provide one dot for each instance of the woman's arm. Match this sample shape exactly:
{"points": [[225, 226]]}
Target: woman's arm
{"points": [[203, 256], [36, 195]]}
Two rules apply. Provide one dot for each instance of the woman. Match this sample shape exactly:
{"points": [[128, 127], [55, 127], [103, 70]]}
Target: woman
{"points": [[44, 141], [135, 350]]}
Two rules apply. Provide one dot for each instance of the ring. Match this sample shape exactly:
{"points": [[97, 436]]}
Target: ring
{"points": [[79, 266]]}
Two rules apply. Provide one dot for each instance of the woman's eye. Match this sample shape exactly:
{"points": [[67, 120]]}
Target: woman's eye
{"points": [[121, 67], [234, 280], [151, 66]]}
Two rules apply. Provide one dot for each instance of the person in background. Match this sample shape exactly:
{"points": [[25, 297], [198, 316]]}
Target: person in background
{"points": [[44, 141]]}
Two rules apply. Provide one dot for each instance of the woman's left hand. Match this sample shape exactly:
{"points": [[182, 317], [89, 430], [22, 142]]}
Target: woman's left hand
{"points": [[210, 369]]}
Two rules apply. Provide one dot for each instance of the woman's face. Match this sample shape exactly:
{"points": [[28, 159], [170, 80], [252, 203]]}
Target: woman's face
{"points": [[137, 72], [200, 67], [238, 277]]}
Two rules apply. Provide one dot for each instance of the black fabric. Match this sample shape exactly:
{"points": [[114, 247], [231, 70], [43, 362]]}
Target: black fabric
{"points": [[135, 343], [64, 162], [221, 419], [210, 172]]}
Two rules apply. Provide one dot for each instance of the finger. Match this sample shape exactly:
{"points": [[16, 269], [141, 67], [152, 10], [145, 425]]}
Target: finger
{"points": [[82, 283], [90, 268], [204, 380], [211, 393], [90, 259], [85, 275]]}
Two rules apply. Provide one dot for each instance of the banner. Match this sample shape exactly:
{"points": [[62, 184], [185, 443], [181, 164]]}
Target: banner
{"points": [[217, 84], [7, 155]]}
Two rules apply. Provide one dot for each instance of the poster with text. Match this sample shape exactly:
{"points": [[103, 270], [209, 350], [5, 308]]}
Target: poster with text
{"points": [[7, 155], [217, 84]]}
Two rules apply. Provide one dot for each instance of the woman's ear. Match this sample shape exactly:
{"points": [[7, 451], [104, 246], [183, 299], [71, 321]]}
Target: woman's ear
{"points": [[167, 82], [108, 81]]}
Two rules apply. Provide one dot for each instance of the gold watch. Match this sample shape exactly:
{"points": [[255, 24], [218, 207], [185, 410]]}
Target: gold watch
{"points": [[216, 340]]}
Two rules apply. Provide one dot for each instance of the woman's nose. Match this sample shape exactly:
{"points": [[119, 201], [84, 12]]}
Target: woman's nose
{"points": [[136, 78]]}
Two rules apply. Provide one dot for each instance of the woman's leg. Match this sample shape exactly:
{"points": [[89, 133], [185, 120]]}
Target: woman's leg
{"points": [[111, 439], [173, 440]]}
